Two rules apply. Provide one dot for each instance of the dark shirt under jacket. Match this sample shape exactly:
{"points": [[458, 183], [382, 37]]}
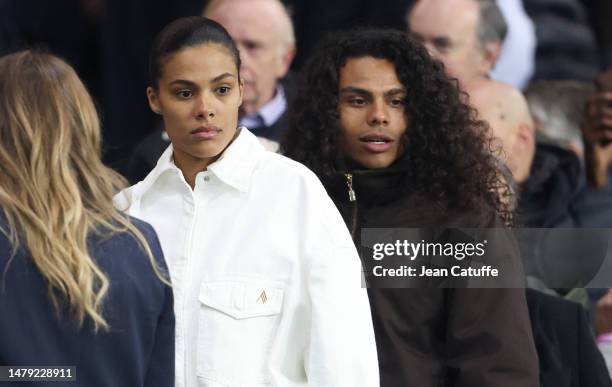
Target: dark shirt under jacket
{"points": [[565, 251], [593, 206], [549, 248], [546, 198], [139, 348], [567, 351], [432, 337]]}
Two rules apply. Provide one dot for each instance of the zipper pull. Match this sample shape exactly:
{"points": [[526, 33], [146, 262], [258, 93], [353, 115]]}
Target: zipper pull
{"points": [[349, 183]]}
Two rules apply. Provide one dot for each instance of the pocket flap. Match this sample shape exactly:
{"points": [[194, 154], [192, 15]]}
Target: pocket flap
{"points": [[242, 299]]}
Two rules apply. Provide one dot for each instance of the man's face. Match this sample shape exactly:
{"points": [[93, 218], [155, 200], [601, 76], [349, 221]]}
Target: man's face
{"points": [[448, 28], [371, 107], [505, 110], [257, 28]]}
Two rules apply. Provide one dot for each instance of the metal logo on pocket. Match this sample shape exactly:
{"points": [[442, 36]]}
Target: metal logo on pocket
{"points": [[262, 297]]}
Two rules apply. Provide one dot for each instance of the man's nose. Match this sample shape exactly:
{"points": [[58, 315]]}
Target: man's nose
{"points": [[378, 114]]}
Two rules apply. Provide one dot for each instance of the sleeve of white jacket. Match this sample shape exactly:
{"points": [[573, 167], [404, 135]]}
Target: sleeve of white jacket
{"points": [[341, 349]]}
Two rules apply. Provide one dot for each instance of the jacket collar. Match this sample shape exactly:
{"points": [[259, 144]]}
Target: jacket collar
{"points": [[235, 166], [371, 186]]}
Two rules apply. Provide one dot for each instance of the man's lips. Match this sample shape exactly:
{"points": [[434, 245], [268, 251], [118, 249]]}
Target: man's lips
{"points": [[377, 142], [205, 132]]}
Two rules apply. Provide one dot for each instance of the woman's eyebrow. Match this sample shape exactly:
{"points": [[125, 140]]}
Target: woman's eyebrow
{"points": [[183, 82], [222, 76]]}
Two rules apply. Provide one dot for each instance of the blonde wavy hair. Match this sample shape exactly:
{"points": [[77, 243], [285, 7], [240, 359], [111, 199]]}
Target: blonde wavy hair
{"points": [[55, 192]]}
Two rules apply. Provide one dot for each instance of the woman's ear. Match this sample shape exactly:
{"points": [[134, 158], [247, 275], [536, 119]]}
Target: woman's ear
{"points": [[153, 100], [241, 89]]}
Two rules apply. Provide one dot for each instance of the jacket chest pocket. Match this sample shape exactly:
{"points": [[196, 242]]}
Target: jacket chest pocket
{"points": [[236, 323]]}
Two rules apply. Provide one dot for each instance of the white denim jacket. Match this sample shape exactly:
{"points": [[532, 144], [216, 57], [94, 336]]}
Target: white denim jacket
{"points": [[267, 281]]}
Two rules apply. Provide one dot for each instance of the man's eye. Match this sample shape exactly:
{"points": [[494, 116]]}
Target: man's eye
{"points": [[356, 101], [252, 46], [184, 94], [441, 45], [397, 102], [442, 49]]}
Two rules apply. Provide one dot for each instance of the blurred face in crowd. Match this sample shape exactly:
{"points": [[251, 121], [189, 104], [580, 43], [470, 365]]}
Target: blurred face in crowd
{"points": [[372, 114], [261, 30], [198, 96], [449, 30], [506, 111]]}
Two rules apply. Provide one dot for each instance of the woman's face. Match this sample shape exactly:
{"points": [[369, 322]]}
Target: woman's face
{"points": [[198, 95]]}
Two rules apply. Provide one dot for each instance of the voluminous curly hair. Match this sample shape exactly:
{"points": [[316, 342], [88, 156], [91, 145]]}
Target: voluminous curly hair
{"points": [[449, 150]]}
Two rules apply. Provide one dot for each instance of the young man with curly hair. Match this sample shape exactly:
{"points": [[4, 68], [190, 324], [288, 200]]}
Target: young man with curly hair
{"points": [[388, 134]]}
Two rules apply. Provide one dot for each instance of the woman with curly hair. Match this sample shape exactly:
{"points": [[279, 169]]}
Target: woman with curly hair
{"points": [[396, 147]]}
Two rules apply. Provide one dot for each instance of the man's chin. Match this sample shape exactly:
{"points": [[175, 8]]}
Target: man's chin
{"points": [[374, 162]]}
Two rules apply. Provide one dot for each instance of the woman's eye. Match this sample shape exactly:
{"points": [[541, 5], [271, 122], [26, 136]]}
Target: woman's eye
{"points": [[223, 90], [397, 102], [184, 94]]}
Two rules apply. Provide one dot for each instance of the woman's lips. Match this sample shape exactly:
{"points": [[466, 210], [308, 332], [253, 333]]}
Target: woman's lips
{"points": [[205, 133]]}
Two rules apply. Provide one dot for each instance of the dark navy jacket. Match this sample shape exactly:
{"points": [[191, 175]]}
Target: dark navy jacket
{"points": [[139, 348]]}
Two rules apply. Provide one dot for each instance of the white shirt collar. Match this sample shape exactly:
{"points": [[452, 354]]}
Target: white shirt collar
{"points": [[234, 167]]}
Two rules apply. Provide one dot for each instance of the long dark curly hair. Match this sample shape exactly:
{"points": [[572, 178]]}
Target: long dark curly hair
{"points": [[448, 148]]}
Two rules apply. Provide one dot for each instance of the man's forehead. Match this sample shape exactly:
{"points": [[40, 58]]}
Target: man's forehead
{"points": [[369, 73], [256, 20], [444, 18]]}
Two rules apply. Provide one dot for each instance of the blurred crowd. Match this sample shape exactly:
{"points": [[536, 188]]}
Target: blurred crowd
{"points": [[107, 41]]}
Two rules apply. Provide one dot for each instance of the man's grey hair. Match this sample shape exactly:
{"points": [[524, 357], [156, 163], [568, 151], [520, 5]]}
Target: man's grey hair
{"points": [[492, 27], [288, 35]]}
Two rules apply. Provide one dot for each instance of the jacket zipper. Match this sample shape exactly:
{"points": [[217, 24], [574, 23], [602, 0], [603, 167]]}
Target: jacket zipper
{"points": [[353, 200], [349, 183]]}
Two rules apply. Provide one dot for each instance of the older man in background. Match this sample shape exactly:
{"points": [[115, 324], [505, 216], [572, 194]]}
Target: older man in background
{"points": [[263, 32], [467, 36]]}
